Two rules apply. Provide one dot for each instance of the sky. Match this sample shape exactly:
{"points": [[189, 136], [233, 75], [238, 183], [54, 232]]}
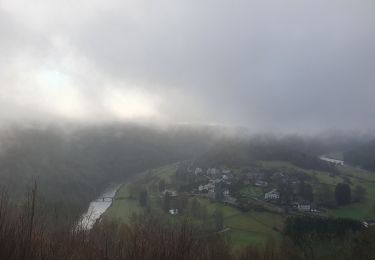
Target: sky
{"points": [[270, 65]]}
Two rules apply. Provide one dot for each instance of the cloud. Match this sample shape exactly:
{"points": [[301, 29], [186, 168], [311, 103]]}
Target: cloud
{"points": [[270, 65]]}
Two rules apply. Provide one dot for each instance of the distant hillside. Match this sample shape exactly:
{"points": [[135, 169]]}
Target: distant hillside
{"points": [[72, 167], [240, 153], [363, 156]]}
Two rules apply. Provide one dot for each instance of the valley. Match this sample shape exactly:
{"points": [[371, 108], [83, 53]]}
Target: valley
{"points": [[232, 201]]}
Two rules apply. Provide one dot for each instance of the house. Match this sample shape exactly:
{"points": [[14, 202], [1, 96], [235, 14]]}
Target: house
{"points": [[198, 171], [171, 193], [211, 171], [226, 171], [260, 183], [173, 211], [211, 194], [368, 223], [304, 206], [226, 192], [207, 187], [272, 195], [215, 181], [230, 200]]}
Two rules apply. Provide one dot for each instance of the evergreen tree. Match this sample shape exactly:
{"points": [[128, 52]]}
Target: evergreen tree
{"points": [[218, 219], [219, 196], [167, 202], [143, 198], [359, 193], [342, 194]]}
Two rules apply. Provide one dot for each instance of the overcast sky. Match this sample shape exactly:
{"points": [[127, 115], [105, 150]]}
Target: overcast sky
{"points": [[274, 65]]}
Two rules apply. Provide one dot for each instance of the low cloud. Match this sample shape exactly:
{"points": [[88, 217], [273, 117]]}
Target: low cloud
{"points": [[270, 66]]}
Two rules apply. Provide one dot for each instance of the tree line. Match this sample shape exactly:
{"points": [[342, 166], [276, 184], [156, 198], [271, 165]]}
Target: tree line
{"points": [[24, 235]]}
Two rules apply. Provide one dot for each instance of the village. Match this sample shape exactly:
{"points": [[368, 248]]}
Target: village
{"points": [[244, 189], [246, 203]]}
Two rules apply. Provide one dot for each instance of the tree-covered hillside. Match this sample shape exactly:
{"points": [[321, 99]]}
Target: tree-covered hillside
{"points": [[363, 156], [72, 167]]}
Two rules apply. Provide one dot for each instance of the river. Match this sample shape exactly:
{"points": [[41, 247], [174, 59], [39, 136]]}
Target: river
{"points": [[98, 207]]}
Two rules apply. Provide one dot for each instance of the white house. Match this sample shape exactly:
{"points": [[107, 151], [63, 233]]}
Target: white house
{"points": [[173, 211], [208, 187], [304, 206], [260, 183], [272, 195]]}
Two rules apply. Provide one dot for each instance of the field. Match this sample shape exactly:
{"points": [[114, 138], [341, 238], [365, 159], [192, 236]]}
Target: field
{"points": [[240, 228], [253, 227], [122, 206], [361, 210], [251, 192]]}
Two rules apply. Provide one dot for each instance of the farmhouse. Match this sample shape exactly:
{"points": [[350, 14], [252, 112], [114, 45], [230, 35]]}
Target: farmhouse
{"points": [[272, 195], [304, 206], [260, 183], [171, 193]]}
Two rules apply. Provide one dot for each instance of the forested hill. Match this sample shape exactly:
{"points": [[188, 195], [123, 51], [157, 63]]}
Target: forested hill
{"points": [[72, 167], [363, 156], [290, 149]]}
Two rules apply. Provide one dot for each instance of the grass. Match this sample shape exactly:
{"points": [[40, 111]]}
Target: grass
{"points": [[122, 207], [277, 166], [361, 210], [212, 206], [252, 227], [240, 238], [247, 228], [326, 178], [244, 228], [165, 173], [251, 192]]}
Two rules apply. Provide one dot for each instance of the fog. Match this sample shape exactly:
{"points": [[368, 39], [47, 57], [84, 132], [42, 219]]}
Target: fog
{"points": [[274, 66]]}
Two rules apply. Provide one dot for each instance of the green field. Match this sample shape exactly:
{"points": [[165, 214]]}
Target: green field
{"points": [[165, 173], [122, 207], [360, 210], [253, 227], [240, 228], [251, 192]]}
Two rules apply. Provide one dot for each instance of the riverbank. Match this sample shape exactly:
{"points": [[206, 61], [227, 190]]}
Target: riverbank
{"points": [[102, 203]]}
